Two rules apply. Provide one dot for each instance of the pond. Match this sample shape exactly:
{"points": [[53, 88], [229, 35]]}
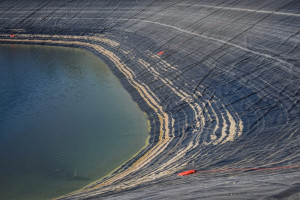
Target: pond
{"points": [[65, 121]]}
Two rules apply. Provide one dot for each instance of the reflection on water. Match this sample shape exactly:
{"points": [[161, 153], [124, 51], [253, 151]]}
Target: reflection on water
{"points": [[65, 121]]}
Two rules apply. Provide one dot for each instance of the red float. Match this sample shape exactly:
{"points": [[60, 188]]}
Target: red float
{"points": [[187, 172], [160, 53]]}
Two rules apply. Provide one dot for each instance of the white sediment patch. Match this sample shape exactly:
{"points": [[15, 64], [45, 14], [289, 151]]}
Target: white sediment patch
{"points": [[191, 100], [232, 129], [283, 63], [250, 10]]}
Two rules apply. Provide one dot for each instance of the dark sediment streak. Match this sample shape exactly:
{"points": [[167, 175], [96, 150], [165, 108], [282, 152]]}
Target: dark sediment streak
{"points": [[226, 88]]}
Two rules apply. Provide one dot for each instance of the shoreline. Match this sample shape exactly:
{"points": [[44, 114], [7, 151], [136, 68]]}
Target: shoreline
{"points": [[135, 171], [216, 79], [149, 151]]}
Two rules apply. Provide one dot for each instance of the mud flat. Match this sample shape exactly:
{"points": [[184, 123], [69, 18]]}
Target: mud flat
{"points": [[222, 94]]}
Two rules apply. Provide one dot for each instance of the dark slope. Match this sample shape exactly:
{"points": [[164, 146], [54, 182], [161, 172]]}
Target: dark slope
{"points": [[228, 81]]}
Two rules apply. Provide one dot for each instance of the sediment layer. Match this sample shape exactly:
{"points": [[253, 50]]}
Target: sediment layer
{"points": [[224, 92]]}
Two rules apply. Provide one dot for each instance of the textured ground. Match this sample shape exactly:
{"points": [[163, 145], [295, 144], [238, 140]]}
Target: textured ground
{"points": [[224, 94]]}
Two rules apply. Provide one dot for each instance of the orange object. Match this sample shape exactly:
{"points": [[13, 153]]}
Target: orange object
{"points": [[187, 172], [12, 35], [160, 53]]}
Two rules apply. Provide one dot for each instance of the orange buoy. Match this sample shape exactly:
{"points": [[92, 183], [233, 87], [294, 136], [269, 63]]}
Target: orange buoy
{"points": [[187, 172], [160, 53], [12, 35]]}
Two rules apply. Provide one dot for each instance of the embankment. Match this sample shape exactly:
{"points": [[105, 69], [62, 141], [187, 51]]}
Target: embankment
{"points": [[223, 93]]}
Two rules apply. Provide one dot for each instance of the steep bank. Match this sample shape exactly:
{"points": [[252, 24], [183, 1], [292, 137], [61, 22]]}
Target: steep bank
{"points": [[224, 93]]}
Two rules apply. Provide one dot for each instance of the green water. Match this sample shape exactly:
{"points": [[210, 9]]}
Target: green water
{"points": [[65, 121]]}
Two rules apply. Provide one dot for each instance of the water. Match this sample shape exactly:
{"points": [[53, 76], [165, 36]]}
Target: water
{"points": [[65, 121]]}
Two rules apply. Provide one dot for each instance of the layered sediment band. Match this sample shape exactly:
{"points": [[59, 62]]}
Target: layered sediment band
{"points": [[218, 81], [162, 122]]}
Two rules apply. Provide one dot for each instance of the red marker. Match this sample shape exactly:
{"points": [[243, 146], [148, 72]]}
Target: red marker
{"points": [[187, 172], [12, 35], [160, 53]]}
